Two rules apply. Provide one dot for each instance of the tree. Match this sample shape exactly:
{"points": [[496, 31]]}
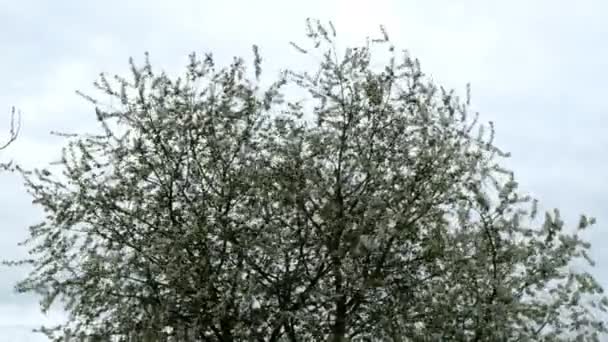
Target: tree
{"points": [[373, 208]]}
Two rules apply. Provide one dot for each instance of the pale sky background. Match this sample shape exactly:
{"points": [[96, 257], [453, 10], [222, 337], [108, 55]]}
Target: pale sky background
{"points": [[537, 68]]}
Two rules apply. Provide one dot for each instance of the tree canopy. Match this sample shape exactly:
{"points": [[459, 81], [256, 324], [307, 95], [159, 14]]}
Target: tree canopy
{"points": [[369, 206]]}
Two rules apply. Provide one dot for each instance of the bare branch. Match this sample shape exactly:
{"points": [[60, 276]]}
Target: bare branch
{"points": [[15, 127]]}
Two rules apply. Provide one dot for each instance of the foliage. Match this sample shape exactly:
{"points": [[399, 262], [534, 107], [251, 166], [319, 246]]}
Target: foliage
{"points": [[373, 208]]}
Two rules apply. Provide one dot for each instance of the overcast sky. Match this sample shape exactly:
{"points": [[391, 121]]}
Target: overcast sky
{"points": [[538, 69]]}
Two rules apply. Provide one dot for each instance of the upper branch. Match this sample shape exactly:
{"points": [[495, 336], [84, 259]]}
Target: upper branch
{"points": [[15, 126]]}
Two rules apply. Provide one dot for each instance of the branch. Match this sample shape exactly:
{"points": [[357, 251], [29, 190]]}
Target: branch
{"points": [[15, 127]]}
